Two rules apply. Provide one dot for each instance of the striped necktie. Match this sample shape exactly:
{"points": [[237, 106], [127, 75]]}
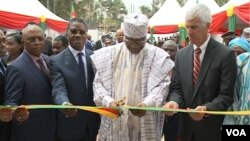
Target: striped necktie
{"points": [[42, 66], [2, 68], [196, 65]]}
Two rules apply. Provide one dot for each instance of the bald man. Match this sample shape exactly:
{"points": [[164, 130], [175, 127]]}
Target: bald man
{"points": [[119, 36], [246, 33], [27, 82], [170, 47]]}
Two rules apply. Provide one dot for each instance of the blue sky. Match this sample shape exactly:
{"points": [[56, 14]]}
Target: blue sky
{"points": [[136, 4]]}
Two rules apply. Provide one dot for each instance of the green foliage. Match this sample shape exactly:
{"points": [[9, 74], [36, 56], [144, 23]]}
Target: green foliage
{"points": [[105, 14], [181, 2], [147, 11], [221, 2], [156, 5], [110, 14]]}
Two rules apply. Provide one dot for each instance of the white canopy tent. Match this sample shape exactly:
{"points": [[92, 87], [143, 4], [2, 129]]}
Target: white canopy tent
{"points": [[28, 7], [241, 10], [214, 7], [167, 18], [170, 15], [14, 14]]}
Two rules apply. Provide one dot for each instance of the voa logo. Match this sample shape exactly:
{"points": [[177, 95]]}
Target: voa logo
{"points": [[236, 132]]}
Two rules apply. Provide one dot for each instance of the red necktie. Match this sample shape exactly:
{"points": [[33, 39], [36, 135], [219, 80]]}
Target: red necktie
{"points": [[196, 65]]}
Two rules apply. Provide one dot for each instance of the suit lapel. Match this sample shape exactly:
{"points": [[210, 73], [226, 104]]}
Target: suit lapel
{"points": [[46, 59], [72, 65], [70, 61], [35, 70], [187, 68], [88, 59], [208, 57], [89, 68]]}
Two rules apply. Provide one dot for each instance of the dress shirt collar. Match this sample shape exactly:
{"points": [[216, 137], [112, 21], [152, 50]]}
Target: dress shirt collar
{"points": [[75, 52], [34, 58], [204, 45]]}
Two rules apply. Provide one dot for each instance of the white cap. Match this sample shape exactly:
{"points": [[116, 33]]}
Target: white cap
{"points": [[135, 25]]}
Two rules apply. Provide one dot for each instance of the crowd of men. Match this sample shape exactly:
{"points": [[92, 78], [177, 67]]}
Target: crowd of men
{"points": [[72, 69]]}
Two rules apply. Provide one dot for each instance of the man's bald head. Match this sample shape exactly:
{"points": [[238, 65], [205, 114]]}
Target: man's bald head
{"points": [[29, 28], [119, 35], [33, 39]]}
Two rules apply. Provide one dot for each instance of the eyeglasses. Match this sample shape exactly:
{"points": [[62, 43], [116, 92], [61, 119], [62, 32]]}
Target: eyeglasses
{"points": [[35, 40], [74, 31]]}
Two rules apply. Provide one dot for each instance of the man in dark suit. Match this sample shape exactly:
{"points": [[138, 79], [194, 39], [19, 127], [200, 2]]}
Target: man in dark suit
{"points": [[28, 82], [211, 89], [59, 44], [100, 43], [88, 45], [4, 127], [2, 67], [47, 49], [72, 76]]}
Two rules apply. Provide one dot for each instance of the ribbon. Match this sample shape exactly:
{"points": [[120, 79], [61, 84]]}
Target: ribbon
{"points": [[238, 113], [116, 112]]}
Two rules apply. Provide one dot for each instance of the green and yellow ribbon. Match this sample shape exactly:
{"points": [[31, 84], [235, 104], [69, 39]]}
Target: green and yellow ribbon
{"points": [[116, 112]]}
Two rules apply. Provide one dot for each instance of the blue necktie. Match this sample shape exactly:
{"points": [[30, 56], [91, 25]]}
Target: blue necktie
{"points": [[81, 66]]}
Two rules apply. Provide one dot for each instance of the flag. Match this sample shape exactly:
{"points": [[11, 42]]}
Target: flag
{"points": [[42, 23], [73, 13], [182, 35]]}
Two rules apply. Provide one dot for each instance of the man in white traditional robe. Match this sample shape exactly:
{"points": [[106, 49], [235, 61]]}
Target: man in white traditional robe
{"points": [[137, 71]]}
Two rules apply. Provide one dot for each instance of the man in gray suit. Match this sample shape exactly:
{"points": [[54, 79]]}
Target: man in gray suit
{"points": [[28, 82], [72, 76], [203, 79]]}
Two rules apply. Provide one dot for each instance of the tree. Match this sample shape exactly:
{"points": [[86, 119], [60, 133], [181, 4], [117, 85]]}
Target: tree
{"points": [[221, 2], [147, 11], [181, 2], [110, 14], [59, 7], [86, 10], [156, 5]]}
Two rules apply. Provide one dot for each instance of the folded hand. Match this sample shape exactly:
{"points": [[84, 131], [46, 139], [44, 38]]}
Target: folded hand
{"points": [[170, 105], [139, 113], [6, 114], [198, 116], [69, 112], [21, 114]]}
